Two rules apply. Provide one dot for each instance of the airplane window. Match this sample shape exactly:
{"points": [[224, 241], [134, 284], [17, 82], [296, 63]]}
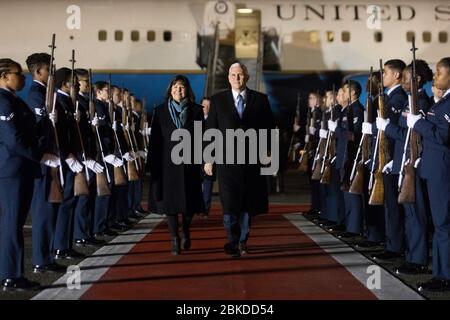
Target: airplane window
{"points": [[330, 36], [313, 36], [443, 36], [118, 35], [102, 35], [345, 36], [134, 35], [410, 35], [151, 36], [378, 36], [426, 36], [167, 36]]}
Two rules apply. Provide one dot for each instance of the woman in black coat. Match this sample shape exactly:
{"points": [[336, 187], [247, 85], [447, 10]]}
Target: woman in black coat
{"points": [[175, 188]]}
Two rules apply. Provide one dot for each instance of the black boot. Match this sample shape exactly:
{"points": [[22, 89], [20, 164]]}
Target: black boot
{"points": [[176, 246]]}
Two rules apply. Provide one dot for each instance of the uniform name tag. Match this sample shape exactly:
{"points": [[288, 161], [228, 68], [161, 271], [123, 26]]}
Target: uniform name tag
{"points": [[7, 118]]}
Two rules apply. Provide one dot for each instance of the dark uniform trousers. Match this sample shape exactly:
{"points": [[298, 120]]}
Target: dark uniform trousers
{"points": [[100, 223], [335, 198], [43, 214], [15, 200], [373, 215], [435, 168], [134, 196], [64, 221], [83, 211], [394, 215]]}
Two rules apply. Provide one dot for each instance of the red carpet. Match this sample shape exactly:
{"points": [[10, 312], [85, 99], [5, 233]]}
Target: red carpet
{"points": [[283, 263]]}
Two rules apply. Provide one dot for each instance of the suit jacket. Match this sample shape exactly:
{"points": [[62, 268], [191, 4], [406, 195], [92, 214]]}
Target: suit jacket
{"points": [[242, 187]]}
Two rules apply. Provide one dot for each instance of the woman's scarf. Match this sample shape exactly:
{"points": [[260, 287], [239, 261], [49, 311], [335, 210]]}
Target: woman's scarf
{"points": [[178, 112]]}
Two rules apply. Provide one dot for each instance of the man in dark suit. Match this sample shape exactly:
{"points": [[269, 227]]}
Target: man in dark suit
{"points": [[243, 190]]}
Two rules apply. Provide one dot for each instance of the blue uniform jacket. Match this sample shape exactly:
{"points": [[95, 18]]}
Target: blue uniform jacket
{"points": [[435, 131], [399, 131], [19, 151]]}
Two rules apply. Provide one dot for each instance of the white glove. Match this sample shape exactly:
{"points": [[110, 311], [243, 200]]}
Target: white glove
{"points": [[332, 125], [149, 131], [296, 127], [382, 123], [306, 138], [208, 169], [50, 160], [128, 156], [74, 165], [94, 166], [312, 130], [388, 167], [367, 128], [142, 154], [412, 119], [114, 126], [95, 121], [126, 127], [53, 116], [416, 164], [113, 160], [323, 134]]}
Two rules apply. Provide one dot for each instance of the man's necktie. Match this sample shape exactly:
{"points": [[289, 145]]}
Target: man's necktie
{"points": [[240, 105]]}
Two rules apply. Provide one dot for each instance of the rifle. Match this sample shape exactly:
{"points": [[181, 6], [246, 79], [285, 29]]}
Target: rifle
{"points": [[346, 169], [406, 179], [132, 166], [357, 175], [119, 172], [330, 148], [291, 151], [133, 135], [56, 184], [144, 126], [81, 187], [101, 179], [377, 190], [304, 154], [320, 151]]}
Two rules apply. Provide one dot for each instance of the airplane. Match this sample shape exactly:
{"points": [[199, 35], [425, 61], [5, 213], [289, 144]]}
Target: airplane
{"points": [[302, 44]]}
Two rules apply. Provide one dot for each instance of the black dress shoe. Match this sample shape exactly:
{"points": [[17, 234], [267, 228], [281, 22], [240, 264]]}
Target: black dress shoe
{"points": [[337, 228], [368, 244], [49, 268], [135, 216], [120, 226], [68, 254], [232, 249], [348, 235], [434, 285], [110, 233], [243, 248], [386, 255], [176, 246], [141, 211], [411, 268], [90, 242], [186, 243], [19, 284], [327, 223]]}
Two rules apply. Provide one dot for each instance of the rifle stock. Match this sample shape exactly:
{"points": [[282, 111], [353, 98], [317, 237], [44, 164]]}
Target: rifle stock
{"points": [[377, 194], [407, 185]]}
